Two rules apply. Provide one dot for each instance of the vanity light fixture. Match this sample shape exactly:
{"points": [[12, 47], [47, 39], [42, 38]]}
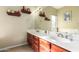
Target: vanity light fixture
{"points": [[47, 19], [13, 13], [26, 10], [42, 14]]}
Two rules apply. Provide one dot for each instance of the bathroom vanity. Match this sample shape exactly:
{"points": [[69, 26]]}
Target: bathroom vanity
{"points": [[42, 43]]}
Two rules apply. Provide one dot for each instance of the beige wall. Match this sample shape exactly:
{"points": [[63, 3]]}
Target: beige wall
{"points": [[13, 29], [50, 11], [74, 23], [41, 23]]}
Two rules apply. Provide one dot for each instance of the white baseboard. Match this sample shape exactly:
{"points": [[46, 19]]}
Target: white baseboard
{"points": [[6, 48]]}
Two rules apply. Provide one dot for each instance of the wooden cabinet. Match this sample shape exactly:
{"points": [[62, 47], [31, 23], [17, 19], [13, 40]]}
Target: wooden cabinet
{"points": [[36, 40], [29, 38], [35, 48], [44, 45], [35, 44], [33, 41], [55, 48], [38, 44]]}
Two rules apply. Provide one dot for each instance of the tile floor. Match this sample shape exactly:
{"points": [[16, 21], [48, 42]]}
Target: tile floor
{"points": [[24, 48]]}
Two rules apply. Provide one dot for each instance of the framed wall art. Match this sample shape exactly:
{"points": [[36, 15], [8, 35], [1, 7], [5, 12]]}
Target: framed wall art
{"points": [[67, 16]]}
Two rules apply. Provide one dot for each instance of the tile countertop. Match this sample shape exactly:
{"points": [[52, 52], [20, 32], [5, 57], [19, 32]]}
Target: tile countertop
{"points": [[71, 46]]}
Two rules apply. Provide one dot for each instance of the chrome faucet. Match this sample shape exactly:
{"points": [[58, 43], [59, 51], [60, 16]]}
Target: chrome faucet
{"points": [[60, 35], [69, 37]]}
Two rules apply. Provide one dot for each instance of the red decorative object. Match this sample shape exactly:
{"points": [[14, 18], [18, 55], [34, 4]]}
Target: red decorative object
{"points": [[42, 14], [24, 10], [14, 13], [47, 19]]}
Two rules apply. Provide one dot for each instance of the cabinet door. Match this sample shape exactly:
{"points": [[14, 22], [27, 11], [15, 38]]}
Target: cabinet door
{"points": [[44, 49], [29, 38], [55, 48], [36, 40], [35, 44], [35, 47], [44, 46]]}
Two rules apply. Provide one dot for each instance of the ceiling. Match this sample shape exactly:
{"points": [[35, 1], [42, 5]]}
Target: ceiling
{"points": [[58, 7], [37, 8]]}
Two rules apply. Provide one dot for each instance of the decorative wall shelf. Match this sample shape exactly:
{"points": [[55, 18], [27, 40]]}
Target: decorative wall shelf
{"points": [[24, 10]]}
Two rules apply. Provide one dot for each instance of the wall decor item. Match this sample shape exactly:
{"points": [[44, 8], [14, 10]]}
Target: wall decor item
{"points": [[67, 16], [13, 13], [26, 10], [42, 14]]}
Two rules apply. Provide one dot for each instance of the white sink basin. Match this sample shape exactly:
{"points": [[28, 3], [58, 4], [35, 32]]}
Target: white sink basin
{"points": [[53, 37], [64, 40]]}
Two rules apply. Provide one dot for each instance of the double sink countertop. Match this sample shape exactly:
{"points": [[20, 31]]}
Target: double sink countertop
{"points": [[71, 46]]}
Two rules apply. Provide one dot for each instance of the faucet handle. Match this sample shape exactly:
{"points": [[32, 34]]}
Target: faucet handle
{"points": [[69, 37]]}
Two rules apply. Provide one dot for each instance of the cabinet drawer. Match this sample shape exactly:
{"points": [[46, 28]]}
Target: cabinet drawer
{"points": [[44, 43], [44, 49], [36, 38], [55, 48]]}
